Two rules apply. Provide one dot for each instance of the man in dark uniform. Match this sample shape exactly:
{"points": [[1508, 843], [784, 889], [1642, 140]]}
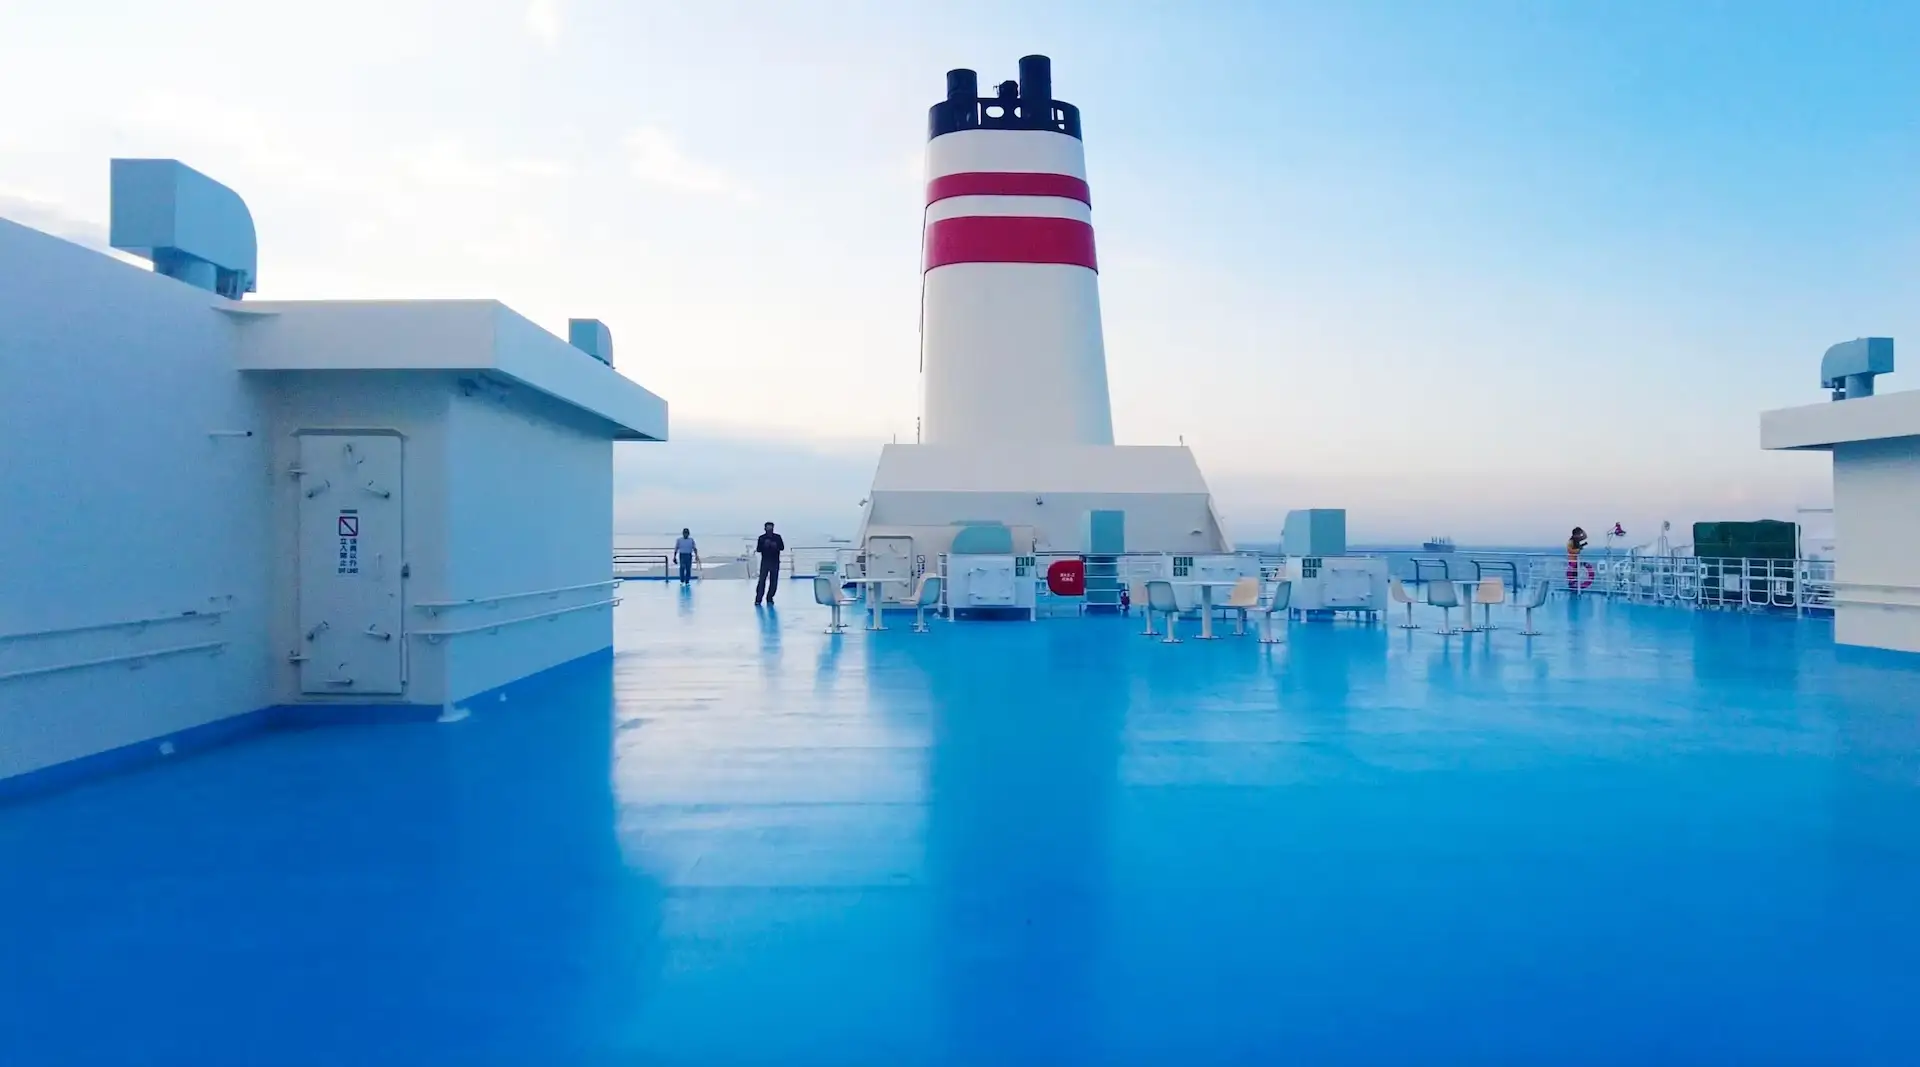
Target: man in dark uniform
{"points": [[769, 547]]}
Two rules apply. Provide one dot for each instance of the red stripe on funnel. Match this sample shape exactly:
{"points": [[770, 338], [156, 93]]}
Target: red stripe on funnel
{"points": [[1008, 183], [1010, 239]]}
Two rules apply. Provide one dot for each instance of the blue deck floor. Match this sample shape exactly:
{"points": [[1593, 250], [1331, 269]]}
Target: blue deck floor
{"points": [[1651, 836]]}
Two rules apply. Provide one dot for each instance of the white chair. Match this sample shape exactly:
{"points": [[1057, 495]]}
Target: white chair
{"points": [[1489, 592], [1397, 589], [928, 596], [1442, 595], [1242, 598], [1160, 598], [826, 592], [1281, 605], [1536, 597]]}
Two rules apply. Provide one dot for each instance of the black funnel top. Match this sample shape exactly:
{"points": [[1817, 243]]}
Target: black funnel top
{"points": [[1027, 104]]}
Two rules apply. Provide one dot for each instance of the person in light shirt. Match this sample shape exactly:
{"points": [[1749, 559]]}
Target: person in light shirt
{"points": [[687, 553]]}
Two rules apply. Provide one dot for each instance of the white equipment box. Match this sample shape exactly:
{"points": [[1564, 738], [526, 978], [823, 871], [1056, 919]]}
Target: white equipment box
{"points": [[1000, 582], [1338, 583]]}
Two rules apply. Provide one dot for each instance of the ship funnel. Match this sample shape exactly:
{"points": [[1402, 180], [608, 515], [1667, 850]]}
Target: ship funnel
{"points": [[191, 227], [1011, 349]]}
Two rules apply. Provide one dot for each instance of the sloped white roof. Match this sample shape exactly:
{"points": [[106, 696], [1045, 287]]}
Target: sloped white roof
{"points": [[442, 335]]}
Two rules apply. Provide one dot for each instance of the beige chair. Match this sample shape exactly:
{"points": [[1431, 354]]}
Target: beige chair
{"points": [[928, 596], [1443, 595], [1160, 598], [1281, 605], [1242, 598], [1397, 589], [1489, 592]]}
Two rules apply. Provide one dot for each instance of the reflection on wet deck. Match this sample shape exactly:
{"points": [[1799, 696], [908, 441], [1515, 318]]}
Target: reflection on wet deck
{"points": [[1648, 836]]}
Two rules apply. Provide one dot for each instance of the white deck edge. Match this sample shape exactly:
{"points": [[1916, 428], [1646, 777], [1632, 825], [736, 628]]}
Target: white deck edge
{"points": [[1821, 426]]}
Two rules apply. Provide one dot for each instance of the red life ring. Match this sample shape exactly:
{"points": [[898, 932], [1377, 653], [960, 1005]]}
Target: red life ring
{"points": [[1575, 579]]}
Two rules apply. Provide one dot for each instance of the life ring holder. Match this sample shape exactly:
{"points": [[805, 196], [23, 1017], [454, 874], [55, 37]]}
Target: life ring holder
{"points": [[1579, 574]]}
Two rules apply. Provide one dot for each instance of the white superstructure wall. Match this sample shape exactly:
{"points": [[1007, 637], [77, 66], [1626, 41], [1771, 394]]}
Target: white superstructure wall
{"points": [[1876, 508], [157, 454], [132, 493]]}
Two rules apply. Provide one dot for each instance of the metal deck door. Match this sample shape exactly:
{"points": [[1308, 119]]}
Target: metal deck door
{"points": [[891, 558], [350, 545]]}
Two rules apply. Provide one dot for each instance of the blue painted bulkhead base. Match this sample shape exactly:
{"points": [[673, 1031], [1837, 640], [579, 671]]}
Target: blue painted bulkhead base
{"points": [[1650, 836], [196, 739]]}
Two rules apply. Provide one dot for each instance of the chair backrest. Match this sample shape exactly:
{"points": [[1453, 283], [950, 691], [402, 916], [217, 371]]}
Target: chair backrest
{"points": [[1536, 595], [1160, 596], [1490, 591], [1442, 595], [1397, 589], [1282, 595], [826, 591], [1244, 594], [929, 591]]}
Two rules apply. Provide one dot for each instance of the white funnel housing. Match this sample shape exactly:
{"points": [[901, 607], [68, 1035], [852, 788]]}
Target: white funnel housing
{"points": [[1010, 344]]}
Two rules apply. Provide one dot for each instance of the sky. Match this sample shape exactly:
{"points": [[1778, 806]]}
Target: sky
{"points": [[1487, 269]]}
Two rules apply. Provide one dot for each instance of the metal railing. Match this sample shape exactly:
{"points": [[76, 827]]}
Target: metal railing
{"points": [[640, 563], [129, 629], [131, 659], [434, 637], [140, 623], [435, 607], [1798, 585]]}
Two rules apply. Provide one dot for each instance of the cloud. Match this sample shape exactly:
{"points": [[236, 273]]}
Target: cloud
{"points": [[655, 159], [543, 21], [445, 163]]}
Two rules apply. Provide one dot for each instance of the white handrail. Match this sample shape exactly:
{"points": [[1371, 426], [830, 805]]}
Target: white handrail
{"points": [[435, 607], [434, 636], [209, 613], [125, 657], [1858, 602]]}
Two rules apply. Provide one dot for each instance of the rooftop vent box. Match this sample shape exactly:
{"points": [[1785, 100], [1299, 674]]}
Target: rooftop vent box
{"points": [[592, 337], [191, 227], [1849, 367]]}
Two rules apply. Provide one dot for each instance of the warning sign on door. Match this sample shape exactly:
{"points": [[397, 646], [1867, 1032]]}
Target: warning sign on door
{"points": [[349, 559]]}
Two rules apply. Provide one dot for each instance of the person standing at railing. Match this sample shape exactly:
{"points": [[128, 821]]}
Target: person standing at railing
{"points": [[1575, 543], [769, 548], [687, 553]]}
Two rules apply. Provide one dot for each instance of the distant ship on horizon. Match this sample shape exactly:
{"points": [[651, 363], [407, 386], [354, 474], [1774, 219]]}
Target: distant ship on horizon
{"points": [[1437, 544]]}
